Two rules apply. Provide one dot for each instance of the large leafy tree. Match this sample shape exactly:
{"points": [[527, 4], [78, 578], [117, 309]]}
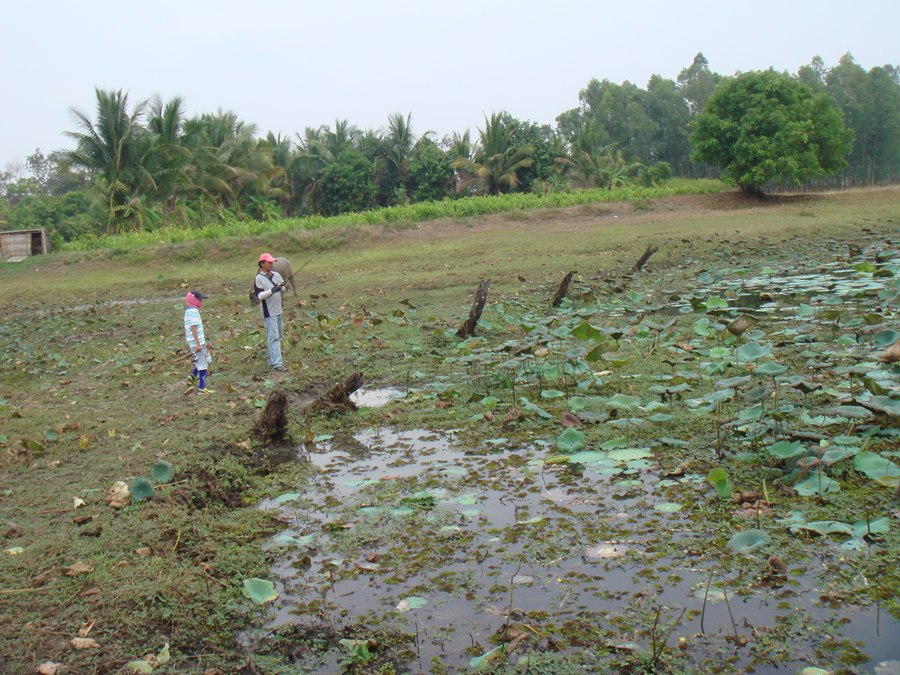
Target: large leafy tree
{"points": [[346, 184], [765, 126], [870, 102]]}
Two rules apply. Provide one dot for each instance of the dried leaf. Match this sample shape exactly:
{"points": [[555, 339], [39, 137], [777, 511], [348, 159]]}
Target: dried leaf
{"points": [[48, 668], [85, 629], [78, 568], [118, 496], [84, 643], [77, 502], [570, 420]]}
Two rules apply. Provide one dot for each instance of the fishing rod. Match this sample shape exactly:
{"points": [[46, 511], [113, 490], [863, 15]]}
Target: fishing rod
{"points": [[284, 282]]}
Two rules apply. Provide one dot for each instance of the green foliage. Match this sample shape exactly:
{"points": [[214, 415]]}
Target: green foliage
{"points": [[656, 174], [719, 478], [346, 185], [431, 174], [766, 126]]}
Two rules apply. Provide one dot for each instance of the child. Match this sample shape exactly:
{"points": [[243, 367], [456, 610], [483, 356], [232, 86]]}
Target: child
{"points": [[193, 333]]}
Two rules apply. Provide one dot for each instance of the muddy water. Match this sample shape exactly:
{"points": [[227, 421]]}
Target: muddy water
{"points": [[497, 529], [375, 398]]}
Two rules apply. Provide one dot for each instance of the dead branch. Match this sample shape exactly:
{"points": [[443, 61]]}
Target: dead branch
{"points": [[468, 328], [644, 258], [563, 289]]}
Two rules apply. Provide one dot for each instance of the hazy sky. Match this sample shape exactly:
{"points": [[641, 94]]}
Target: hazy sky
{"points": [[286, 65]]}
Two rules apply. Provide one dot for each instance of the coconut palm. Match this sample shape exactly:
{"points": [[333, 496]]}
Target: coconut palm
{"points": [[169, 163], [399, 148], [497, 161], [112, 149]]}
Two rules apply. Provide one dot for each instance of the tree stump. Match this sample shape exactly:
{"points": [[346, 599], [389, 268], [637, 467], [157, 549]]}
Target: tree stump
{"points": [[468, 328], [337, 399], [644, 258], [271, 427], [563, 289]]}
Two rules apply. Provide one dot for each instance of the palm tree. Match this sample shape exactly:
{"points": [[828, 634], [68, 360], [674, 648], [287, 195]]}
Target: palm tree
{"points": [[400, 148], [170, 160], [113, 150], [497, 161]]}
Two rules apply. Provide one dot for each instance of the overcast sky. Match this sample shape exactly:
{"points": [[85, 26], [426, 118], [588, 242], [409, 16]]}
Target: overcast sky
{"points": [[285, 65]]}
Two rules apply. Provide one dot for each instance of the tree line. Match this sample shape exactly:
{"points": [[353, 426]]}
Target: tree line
{"points": [[146, 164]]}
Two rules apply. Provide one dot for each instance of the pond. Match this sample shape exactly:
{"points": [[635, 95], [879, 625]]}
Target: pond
{"points": [[413, 531]]}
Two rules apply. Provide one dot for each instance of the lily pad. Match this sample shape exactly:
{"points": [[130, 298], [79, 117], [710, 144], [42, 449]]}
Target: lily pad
{"points": [[786, 449], [259, 591], [570, 440], [412, 602], [816, 484], [140, 489], [719, 478], [162, 472], [629, 454], [667, 507], [748, 541], [878, 468]]}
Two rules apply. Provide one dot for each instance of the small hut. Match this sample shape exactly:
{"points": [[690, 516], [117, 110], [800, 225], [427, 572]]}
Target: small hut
{"points": [[16, 245]]}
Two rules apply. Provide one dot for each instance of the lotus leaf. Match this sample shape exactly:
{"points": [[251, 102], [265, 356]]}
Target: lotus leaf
{"points": [[587, 458], [748, 541], [836, 454], [770, 369], [585, 331], [162, 472], [623, 402], [552, 393], [884, 404], [287, 540], [816, 484], [668, 507], [822, 527], [533, 409], [786, 449], [570, 440], [287, 497], [613, 443], [886, 338], [259, 591], [140, 488], [719, 352], [629, 454], [714, 302], [878, 468], [487, 659], [412, 602], [861, 528], [753, 351], [719, 478]]}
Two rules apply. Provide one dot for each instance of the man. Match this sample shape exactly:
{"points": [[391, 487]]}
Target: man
{"points": [[268, 286]]}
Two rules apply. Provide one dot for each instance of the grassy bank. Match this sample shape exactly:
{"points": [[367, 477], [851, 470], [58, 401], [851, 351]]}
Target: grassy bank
{"points": [[400, 216]]}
